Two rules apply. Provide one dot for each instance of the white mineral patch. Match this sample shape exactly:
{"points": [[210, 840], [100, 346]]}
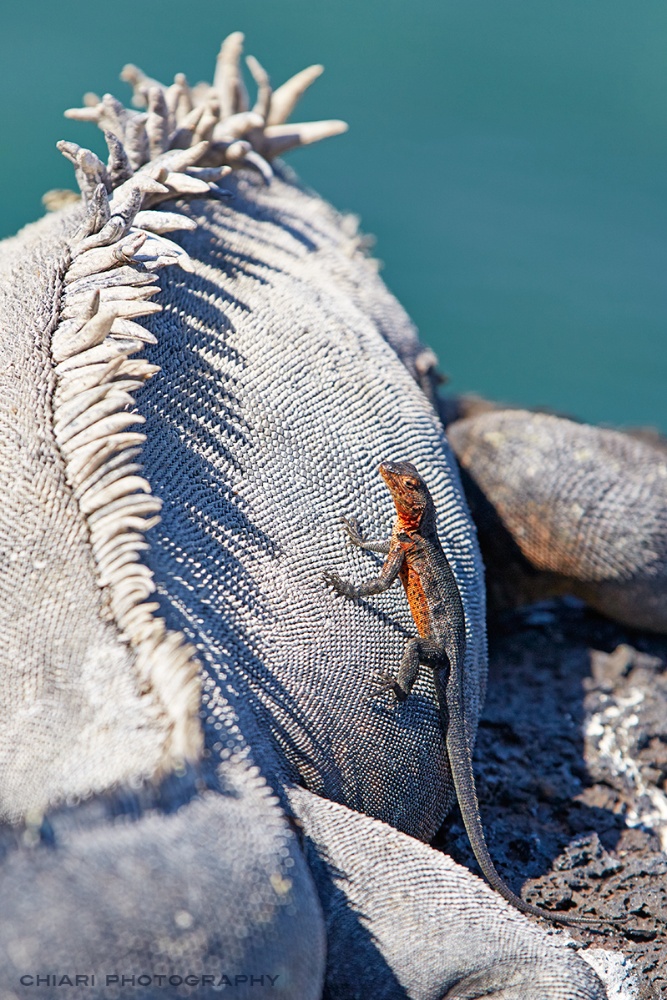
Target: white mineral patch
{"points": [[615, 971], [610, 730]]}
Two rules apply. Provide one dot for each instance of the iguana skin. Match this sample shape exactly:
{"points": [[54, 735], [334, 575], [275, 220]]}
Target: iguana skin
{"points": [[414, 555], [598, 532]]}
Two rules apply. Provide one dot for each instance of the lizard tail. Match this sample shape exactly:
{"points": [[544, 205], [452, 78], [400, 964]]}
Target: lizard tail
{"points": [[450, 703]]}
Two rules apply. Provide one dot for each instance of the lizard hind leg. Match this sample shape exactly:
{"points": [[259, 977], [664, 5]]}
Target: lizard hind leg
{"points": [[417, 652]]}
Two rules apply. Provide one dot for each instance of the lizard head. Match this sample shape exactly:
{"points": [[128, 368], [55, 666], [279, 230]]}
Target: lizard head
{"points": [[409, 492]]}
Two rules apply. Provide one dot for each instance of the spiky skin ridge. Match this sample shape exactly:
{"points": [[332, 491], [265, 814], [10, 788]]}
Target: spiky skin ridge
{"points": [[185, 143]]}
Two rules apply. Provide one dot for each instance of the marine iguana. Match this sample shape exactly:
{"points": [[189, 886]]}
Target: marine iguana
{"points": [[283, 360], [599, 532]]}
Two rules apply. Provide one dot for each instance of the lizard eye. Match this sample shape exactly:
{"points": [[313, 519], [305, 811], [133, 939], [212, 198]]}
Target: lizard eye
{"points": [[411, 484]]}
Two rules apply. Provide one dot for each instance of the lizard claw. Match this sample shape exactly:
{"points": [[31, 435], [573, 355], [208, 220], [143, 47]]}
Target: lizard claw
{"points": [[332, 579], [384, 681], [342, 586], [352, 529]]}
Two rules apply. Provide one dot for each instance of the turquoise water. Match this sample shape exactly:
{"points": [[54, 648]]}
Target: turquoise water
{"points": [[509, 155]]}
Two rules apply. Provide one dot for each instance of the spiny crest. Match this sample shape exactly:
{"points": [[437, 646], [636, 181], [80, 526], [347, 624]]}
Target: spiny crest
{"points": [[185, 142], [180, 117], [108, 284]]}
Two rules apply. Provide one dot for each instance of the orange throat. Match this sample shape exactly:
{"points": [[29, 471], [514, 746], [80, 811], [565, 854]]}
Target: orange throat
{"points": [[407, 522]]}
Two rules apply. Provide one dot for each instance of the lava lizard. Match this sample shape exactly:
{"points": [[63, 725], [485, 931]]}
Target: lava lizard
{"points": [[415, 555]]}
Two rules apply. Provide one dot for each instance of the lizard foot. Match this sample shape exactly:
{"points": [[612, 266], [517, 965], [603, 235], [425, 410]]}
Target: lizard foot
{"points": [[385, 681], [332, 579], [352, 529]]}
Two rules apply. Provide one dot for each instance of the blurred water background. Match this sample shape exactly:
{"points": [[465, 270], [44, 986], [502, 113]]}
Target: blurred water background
{"points": [[510, 156]]}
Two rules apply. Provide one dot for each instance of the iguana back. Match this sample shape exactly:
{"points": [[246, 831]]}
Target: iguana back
{"points": [[288, 397]]}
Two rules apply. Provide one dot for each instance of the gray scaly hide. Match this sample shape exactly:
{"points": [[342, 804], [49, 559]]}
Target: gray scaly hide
{"points": [[178, 877], [184, 881], [281, 387], [433, 924]]}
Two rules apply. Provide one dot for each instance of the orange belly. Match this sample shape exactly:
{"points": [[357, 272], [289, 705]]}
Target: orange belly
{"points": [[416, 599]]}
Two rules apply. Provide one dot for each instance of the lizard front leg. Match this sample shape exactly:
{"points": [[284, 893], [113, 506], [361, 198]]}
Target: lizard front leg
{"points": [[352, 529], [379, 583], [417, 652]]}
